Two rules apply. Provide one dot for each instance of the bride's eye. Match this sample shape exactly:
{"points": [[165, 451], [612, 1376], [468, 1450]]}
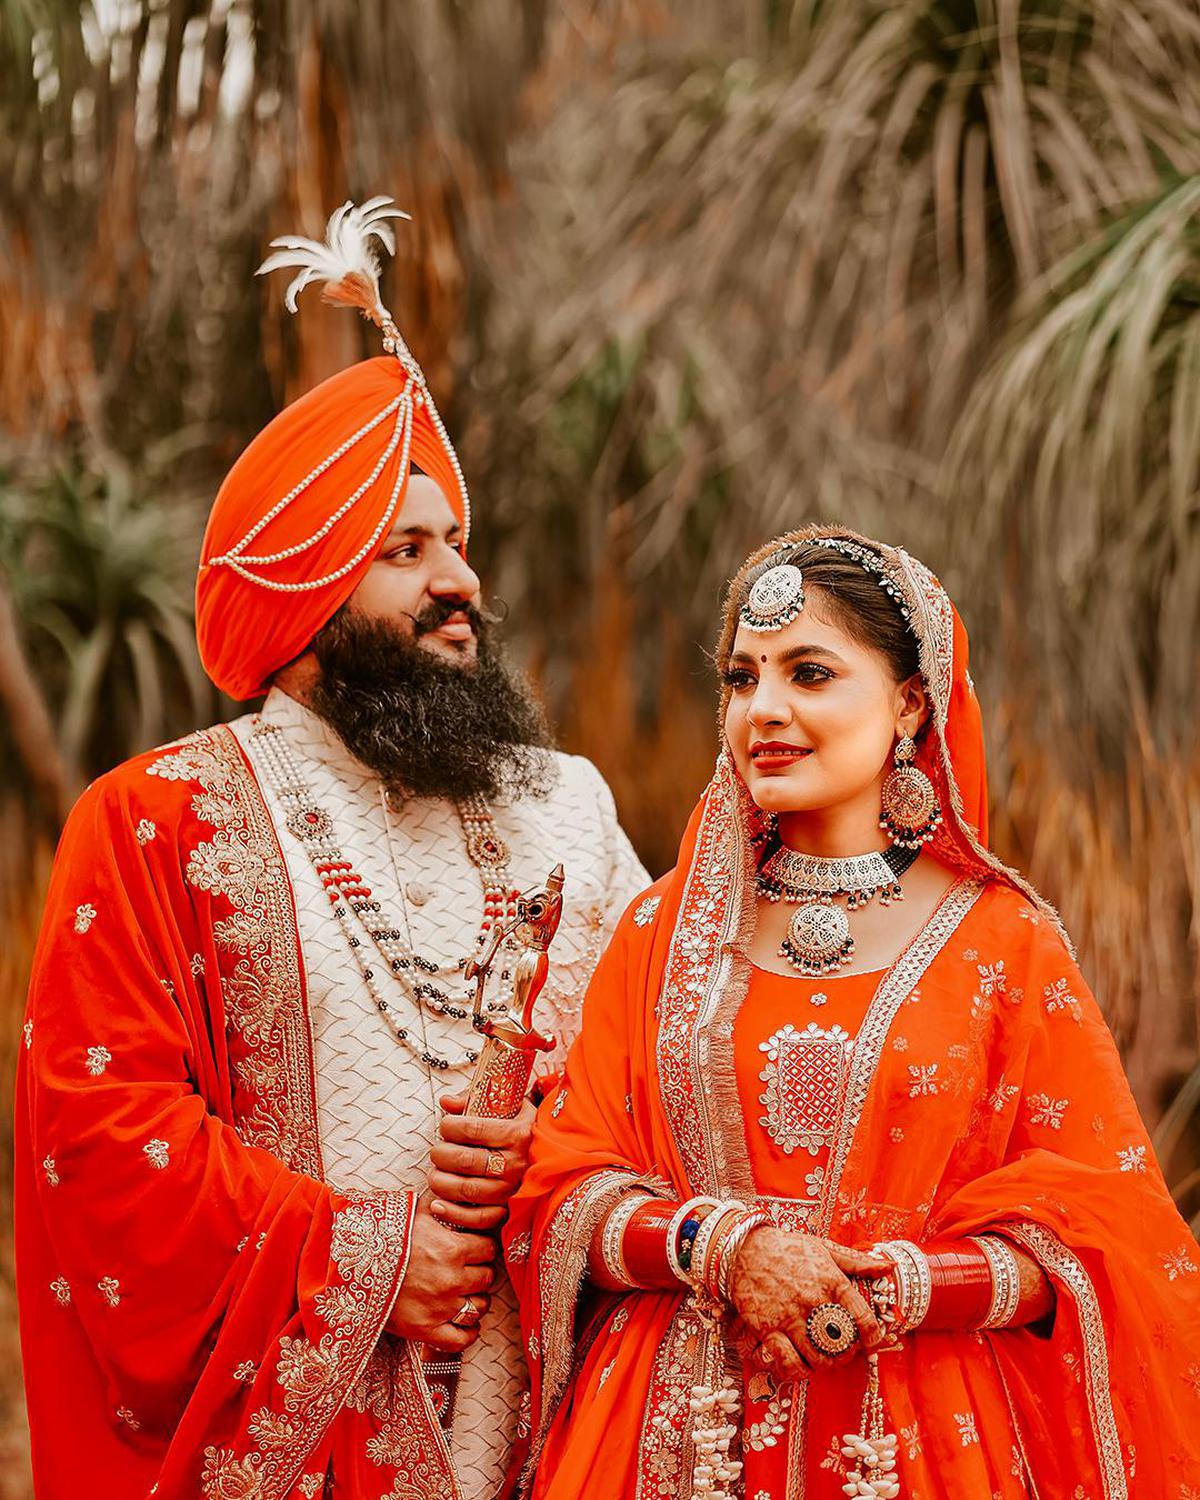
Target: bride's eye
{"points": [[737, 678], [810, 672]]}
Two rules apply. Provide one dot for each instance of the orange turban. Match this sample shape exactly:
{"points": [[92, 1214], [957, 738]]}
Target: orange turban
{"points": [[275, 565]]}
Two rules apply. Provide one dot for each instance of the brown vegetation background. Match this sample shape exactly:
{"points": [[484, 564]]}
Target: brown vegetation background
{"points": [[682, 275]]}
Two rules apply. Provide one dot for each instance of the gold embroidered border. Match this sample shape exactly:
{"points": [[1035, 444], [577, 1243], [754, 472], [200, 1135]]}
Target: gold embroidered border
{"points": [[562, 1266], [1065, 1268], [705, 981], [666, 1453], [271, 1048], [369, 1244], [898, 983]]}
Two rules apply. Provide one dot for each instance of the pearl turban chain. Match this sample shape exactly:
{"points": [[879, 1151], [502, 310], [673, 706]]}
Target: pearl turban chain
{"points": [[307, 506]]}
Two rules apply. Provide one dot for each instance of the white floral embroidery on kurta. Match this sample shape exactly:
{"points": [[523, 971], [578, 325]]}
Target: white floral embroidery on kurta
{"points": [[1046, 1111], [813, 1181], [556, 1108], [85, 915], [1132, 1159], [197, 965], [50, 1171], [992, 978], [1057, 996], [145, 831], [110, 1289], [911, 1438], [605, 1373], [1180, 1263], [246, 1371], [156, 1153], [98, 1058], [61, 1288], [966, 1428], [922, 1080], [645, 912], [999, 1098], [819, 998]]}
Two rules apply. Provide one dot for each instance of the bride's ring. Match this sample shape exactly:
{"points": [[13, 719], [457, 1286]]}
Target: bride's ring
{"points": [[468, 1315], [495, 1164], [831, 1328]]}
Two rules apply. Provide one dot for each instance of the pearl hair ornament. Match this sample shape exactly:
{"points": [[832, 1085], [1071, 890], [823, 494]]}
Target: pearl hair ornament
{"points": [[347, 264]]}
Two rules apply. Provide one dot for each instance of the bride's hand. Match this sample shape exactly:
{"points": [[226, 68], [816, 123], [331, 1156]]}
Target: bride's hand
{"points": [[778, 1278]]}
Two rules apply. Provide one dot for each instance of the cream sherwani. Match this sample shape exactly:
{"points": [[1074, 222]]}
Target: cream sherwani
{"points": [[377, 1104]]}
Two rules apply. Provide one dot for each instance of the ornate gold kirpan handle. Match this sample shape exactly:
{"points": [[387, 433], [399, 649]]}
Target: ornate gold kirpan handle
{"points": [[505, 1065]]}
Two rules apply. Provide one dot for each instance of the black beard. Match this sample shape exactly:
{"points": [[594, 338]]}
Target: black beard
{"points": [[427, 726]]}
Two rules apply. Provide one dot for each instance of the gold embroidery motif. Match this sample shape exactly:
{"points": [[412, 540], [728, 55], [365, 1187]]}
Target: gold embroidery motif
{"points": [[27, 1029], [156, 1154], [806, 1076], [48, 1167], [61, 1288], [145, 831], [98, 1058], [85, 915], [110, 1289]]}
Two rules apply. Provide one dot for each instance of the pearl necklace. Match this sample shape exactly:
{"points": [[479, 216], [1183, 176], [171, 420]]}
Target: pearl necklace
{"points": [[349, 894]]}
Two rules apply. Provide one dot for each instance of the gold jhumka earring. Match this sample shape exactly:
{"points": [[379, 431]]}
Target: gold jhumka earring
{"points": [[910, 815]]}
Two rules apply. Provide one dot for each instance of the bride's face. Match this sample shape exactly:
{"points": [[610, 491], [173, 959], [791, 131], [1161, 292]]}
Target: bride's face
{"points": [[813, 714]]}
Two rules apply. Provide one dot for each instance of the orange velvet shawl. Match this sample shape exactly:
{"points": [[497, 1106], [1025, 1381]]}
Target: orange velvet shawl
{"points": [[1005, 1110], [200, 1313]]}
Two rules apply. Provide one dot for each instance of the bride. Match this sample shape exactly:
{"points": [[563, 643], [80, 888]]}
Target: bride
{"points": [[844, 1191]]}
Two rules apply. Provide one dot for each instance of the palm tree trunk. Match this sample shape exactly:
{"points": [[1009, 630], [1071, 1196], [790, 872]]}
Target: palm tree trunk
{"points": [[29, 717]]}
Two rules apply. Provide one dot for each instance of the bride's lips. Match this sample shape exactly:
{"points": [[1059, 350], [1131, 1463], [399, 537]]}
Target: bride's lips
{"points": [[776, 755]]}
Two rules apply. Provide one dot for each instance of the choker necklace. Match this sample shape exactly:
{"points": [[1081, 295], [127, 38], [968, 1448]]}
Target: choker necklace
{"points": [[818, 939], [351, 897]]}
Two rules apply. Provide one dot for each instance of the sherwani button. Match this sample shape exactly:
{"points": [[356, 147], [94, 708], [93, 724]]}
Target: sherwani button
{"points": [[417, 893]]}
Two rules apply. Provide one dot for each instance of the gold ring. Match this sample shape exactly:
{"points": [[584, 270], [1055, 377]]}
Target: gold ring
{"points": [[831, 1328], [495, 1164], [468, 1315]]}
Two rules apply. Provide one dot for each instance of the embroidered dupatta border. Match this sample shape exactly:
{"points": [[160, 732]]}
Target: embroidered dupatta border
{"points": [[275, 1104], [1061, 1265], [562, 1266]]}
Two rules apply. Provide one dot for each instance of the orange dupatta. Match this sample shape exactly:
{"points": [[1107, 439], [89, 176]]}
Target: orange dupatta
{"points": [[201, 1315], [1029, 1128]]}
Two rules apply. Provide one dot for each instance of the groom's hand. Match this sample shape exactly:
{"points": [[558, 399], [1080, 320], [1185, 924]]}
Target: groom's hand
{"points": [[478, 1164]]}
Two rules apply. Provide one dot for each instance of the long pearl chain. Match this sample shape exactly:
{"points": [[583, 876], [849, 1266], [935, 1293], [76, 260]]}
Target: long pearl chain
{"points": [[348, 893]]}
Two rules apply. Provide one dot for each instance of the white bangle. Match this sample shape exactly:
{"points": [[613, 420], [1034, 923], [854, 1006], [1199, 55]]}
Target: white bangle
{"points": [[755, 1219], [914, 1283], [698, 1274], [684, 1212], [1006, 1279]]}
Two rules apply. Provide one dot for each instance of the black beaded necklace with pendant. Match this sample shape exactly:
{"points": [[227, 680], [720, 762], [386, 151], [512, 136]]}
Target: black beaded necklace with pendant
{"points": [[818, 940]]}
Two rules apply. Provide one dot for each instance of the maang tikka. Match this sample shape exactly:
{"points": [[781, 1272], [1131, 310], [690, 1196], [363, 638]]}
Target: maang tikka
{"points": [[910, 814], [775, 599]]}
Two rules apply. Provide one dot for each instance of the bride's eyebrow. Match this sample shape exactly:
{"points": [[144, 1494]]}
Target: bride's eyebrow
{"points": [[794, 653]]}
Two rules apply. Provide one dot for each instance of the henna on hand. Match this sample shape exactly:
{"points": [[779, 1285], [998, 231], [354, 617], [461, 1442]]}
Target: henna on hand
{"points": [[777, 1280]]}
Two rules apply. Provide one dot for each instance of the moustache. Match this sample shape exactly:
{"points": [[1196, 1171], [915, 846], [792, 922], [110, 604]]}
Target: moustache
{"points": [[435, 615]]}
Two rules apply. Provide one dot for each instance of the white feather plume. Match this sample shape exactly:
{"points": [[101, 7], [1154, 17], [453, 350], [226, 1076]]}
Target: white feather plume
{"points": [[345, 260]]}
